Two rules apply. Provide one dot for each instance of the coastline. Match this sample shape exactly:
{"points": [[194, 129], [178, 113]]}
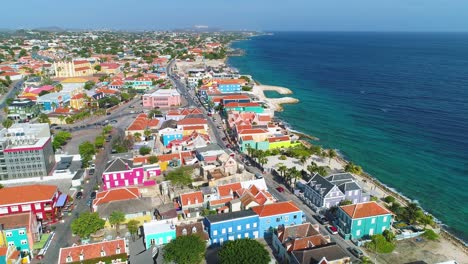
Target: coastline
{"points": [[258, 90]]}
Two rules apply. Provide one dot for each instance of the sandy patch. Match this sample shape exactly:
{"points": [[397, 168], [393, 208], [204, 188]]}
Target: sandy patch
{"points": [[334, 165], [184, 66], [274, 103]]}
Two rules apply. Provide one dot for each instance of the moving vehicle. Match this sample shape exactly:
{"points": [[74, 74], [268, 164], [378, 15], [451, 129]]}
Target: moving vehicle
{"points": [[332, 229], [93, 195], [280, 189], [79, 195], [356, 252]]}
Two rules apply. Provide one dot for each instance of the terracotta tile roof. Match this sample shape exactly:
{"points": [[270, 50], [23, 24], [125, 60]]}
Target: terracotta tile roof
{"points": [[191, 198], [80, 62], [247, 138], [193, 127], [221, 201], [118, 194], [78, 96], [236, 97], [264, 118], [300, 230], [142, 122], [278, 139], [16, 220], [228, 189], [140, 159], [252, 131], [242, 127], [276, 209], [362, 210], [306, 242], [235, 104], [169, 157], [3, 251], [9, 73], [229, 81], [192, 121], [92, 251], [26, 194], [82, 68]]}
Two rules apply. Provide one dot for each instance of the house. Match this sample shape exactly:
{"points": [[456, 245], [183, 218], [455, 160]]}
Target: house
{"points": [[158, 233], [139, 253], [254, 196], [348, 185], [140, 124], [363, 220], [280, 141], [287, 239], [328, 254], [110, 68], [191, 200], [169, 134], [73, 69], [186, 229], [237, 98], [182, 113], [116, 84], [230, 85], [163, 98], [175, 159], [22, 108], [20, 230], [14, 76], [122, 173], [10, 255], [199, 124], [52, 101], [232, 226], [114, 251], [78, 101], [244, 107], [210, 153], [190, 142], [273, 215], [127, 200], [39, 199], [321, 193]]}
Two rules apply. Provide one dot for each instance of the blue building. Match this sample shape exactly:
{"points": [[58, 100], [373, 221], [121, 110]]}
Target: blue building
{"points": [[230, 88], [52, 101], [281, 213], [231, 226], [20, 231], [169, 134]]}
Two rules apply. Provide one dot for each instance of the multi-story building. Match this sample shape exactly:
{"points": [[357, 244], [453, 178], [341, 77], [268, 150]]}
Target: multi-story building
{"points": [[363, 220], [162, 98], [273, 215], [73, 69], [113, 251], [157, 233], [232, 226], [21, 109], [39, 199], [20, 230], [121, 173], [25, 151]]}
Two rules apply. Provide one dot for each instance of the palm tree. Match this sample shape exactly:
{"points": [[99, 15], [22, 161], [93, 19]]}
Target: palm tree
{"points": [[116, 218], [58, 87], [303, 159], [262, 160], [61, 118], [7, 123], [43, 118], [312, 168], [282, 169], [331, 155], [137, 136], [147, 133], [322, 171], [412, 213]]}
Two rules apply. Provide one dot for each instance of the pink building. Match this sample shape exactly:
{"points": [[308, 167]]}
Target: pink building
{"points": [[121, 172], [162, 98]]}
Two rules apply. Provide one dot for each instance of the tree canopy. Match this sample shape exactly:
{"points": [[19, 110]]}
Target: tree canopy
{"points": [[243, 251], [380, 244], [86, 224], [116, 218], [60, 139], [144, 151], [185, 250], [180, 176], [87, 151]]}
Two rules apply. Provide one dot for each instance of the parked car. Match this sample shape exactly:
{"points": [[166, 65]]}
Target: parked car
{"points": [[280, 189], [258, 176], [321, 219], [93, 195], [79, 195], [356, 252], [332, 229], [132, 106], [113, 121], [108, 114], [219, 127], [91, 172]]}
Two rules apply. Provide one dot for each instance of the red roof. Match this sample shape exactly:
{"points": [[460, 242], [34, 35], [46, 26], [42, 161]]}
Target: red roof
{"points": [[192, 121], [264, 118], [229, 81], [62, 110], [142, 123], [169, 157], [228, 189], [3, 251], [252, 131], [82, 68], [191, 198], [362, 210], [110, 65], [193, 127], [80, 62], [235, 104], [236, 97], [221, 201], [278, 139], [26, 194], [118, 194], [276, 209], [78, 96], [9, 74], [245, 138], [92, 251]]}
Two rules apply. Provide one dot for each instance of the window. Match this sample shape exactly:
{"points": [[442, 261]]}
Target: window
{"points": [[11, 244], [286, 218], [3, 210], [26, 207], [358, 232], [239, 227], [247, 226], [215, 240], [383, 228], [184, 231], [21, 232], [117, 251], [230, 229], [223, 231], [278, 219], [69, 259], [254, 224], [385, 218], [37, 206], [373, 221], [359, 222], [14, 208], [246, 235], [215, 232], [103, 253], [8, 234], [169, 238], [239, 236], [153, 242]]}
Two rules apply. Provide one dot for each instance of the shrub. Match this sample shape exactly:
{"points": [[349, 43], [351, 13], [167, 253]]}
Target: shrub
{"points": [[282, 157], [380, 244], [430, 234], [389, 199], [373, 198]]}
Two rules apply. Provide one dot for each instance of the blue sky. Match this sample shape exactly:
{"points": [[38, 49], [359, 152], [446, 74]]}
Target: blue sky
{"points": [[304, 15]]}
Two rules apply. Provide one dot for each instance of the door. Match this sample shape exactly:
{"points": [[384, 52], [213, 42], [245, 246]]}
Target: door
{"points": [[371, 231], [255, 233]]}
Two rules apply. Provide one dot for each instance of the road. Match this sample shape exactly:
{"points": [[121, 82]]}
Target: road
{"points": [[17, 87]]}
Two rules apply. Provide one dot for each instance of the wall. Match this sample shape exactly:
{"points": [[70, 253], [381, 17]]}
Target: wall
{"points": [[232, 231], [274, 221], [165, 237]]}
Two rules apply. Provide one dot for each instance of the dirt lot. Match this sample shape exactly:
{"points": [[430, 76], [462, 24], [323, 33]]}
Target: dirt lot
{"points": [[428, 251]]}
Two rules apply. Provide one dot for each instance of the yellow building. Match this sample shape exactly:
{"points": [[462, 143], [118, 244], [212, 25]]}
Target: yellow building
{"points": [[73, 69], [78, 101]]}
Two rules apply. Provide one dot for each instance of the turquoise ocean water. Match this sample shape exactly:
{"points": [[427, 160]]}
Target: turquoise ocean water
{"points": [[394, 103]]}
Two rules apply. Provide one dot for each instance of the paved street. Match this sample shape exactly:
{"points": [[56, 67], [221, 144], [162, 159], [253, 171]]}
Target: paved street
{"points": [[15, 87]]}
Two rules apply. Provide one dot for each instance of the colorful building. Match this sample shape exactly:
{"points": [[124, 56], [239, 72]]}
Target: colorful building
{"points": [[157, 233], [230, 85], [22, 108], [113, 251], [363, 220], [231, 226], [244, 107], [121, 173], [41, 200], [78, 101], [273, 215], [163, 98], [52, 101], [281, 142], [20, 230]]}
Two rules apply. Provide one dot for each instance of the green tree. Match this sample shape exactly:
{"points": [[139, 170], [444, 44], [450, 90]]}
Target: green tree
{"points": [[389, 235], [132, 227], [303, 159], [89, 85], [185, 250], [87, 151], [99, 141], [322, 171], [147, 133], [180, 176], [380, 244], [153, 159], [58, 87], [427, 219], [107, 129], [389, 199], [352, 168], [430, 234], [7, 123], [97, 68], [282, 169], [116, 218], [22, 53], [61, 139], [86, 224], [345, 202], [43, 118], [246, 78], [125, 97], [262, 160], [243, 251], [144, 151], [412, 213]]}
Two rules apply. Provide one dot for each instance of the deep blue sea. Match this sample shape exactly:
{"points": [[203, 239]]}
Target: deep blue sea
{"points": [[394, 103]]}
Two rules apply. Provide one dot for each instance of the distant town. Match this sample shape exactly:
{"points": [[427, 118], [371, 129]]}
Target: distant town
{"points": [[121, 147]]}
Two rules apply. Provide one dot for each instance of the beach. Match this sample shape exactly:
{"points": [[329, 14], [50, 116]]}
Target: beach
{"points": [[274, 103]]}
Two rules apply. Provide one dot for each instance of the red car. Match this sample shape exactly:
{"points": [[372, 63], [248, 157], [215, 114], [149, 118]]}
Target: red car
{"points": [[332, 229], [280, 189]]}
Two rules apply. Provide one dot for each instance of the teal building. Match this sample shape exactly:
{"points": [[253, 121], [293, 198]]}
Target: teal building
{"points": [[158, 233]]}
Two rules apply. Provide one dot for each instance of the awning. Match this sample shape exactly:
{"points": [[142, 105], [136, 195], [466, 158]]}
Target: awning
{"points": [[61, 200]]}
